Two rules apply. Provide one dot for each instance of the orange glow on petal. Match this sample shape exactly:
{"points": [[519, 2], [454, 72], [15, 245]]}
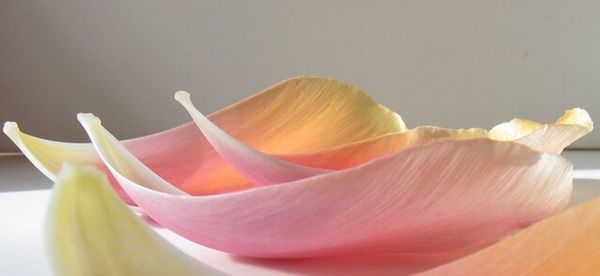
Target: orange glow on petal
{"points": [[565, 244]]}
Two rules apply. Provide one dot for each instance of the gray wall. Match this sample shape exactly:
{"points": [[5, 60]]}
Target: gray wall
{"points": [[450, 63]]}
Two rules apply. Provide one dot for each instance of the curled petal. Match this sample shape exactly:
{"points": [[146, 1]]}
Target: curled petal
{"points": [[553, 138], [90, 231], [48, 156], [565, 244], [441, 196], [259, 168], [114, 153], [286, 118]]}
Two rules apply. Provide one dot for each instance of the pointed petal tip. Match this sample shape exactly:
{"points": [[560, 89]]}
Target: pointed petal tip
{"points": [[10, 129], [88, 118], [182, 96]]}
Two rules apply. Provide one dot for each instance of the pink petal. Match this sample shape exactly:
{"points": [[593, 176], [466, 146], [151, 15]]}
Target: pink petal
{"points": [[442, 196]]}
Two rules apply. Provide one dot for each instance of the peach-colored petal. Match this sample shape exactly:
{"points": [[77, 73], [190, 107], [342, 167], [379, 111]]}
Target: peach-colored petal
{"points": [[259, 168], [286, 118], [564, 244], [551, 138], [442, 196], [353, 154]]}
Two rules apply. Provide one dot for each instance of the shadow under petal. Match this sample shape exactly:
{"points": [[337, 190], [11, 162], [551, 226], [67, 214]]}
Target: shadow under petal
{"points": [[360, 264]]}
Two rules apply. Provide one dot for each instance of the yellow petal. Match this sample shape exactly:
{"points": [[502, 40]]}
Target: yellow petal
{"points": [[553, 138], [565, 244], [48, 155], [90, 231]]}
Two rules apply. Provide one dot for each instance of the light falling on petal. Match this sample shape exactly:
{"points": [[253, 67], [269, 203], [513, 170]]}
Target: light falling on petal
{"points": [[353, 154], [48, 156], [116, 155], [286, 118], [565, 244], [89, 231], [553, 138], [441, 196], [258, 167]]}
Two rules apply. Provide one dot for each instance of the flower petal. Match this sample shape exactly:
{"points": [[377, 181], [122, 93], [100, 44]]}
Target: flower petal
{"points": [[90, 231], [565, 244], [353, 154], [123, 160], [553, 138], [441, 196], [286, 118], [259, 168], [47, 156]]}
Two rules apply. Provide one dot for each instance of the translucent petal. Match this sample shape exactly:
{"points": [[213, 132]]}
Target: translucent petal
{"points": [[286, 118], [259, 168], [441, 196], [90, 231]]}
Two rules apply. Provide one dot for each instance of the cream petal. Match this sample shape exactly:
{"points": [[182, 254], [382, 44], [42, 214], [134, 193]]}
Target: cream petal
{"points": [[48, 156], [89, 231], [553, 138]]}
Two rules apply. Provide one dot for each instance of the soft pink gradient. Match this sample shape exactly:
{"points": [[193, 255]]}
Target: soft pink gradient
{"points": [[439, 197]]}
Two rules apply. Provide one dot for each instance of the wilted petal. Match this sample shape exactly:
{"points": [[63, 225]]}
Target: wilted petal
{"points": [[90, 231], [286, 118], [565, 244], [259, 168], [440, 196], [553, 138]]}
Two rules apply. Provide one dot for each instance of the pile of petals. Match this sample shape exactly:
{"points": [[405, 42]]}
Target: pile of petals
{"points": [[314, 167]]}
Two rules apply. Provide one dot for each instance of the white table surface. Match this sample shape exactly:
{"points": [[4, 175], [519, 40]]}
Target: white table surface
{"points": [[24, 195]]}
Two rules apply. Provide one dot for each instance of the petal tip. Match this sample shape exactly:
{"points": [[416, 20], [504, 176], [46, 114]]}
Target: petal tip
{"points": [[182, 96], [577, 116], [11, 129], [88, 118]]}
